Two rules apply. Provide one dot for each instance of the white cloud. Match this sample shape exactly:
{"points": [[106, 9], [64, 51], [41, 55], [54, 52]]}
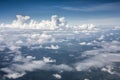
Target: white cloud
{"points": [[91, 53], [86, 43], [14, 75], [100, 57], [30, 57], [101, 37], [55, 23], [18, 39], [17, 70], [13, 47], [85, 27], [108, 69], [113, 46], [45, 37], [52, 47], [57, 76], [97, 61], [86, 79], [48, 59], [83, 43], [62, 67], [24, 22], [14, 39]]}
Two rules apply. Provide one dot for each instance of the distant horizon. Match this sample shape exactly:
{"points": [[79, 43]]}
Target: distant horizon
{"points": [[69, 22]]}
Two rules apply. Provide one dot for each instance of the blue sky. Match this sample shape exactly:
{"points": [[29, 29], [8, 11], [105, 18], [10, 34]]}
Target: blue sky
{"points": [[75, 11]]}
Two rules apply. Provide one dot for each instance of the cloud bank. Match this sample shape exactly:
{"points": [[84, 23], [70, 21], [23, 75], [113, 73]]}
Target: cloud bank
{"points": [[24, 22], [55, 23]]}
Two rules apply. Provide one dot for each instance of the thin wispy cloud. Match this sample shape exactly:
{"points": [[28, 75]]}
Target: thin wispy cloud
{"points": [[102, 7]]}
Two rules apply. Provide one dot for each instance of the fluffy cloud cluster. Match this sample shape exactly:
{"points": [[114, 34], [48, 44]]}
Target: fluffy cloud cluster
{"points": [[55, 23], [17, 40], [17, 70], [87, 27], [24, 22]]}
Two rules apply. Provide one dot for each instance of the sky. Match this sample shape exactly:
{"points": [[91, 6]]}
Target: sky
{"points": [[102, 12]]}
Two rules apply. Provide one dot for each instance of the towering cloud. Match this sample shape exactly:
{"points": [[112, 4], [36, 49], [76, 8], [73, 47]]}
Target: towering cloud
{"points": [[55, 23], [25, 22]]}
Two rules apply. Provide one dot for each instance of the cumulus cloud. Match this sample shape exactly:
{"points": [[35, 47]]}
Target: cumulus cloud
{"points": [[55, 23], [24, 22], [57, 76], [85, 28]]}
